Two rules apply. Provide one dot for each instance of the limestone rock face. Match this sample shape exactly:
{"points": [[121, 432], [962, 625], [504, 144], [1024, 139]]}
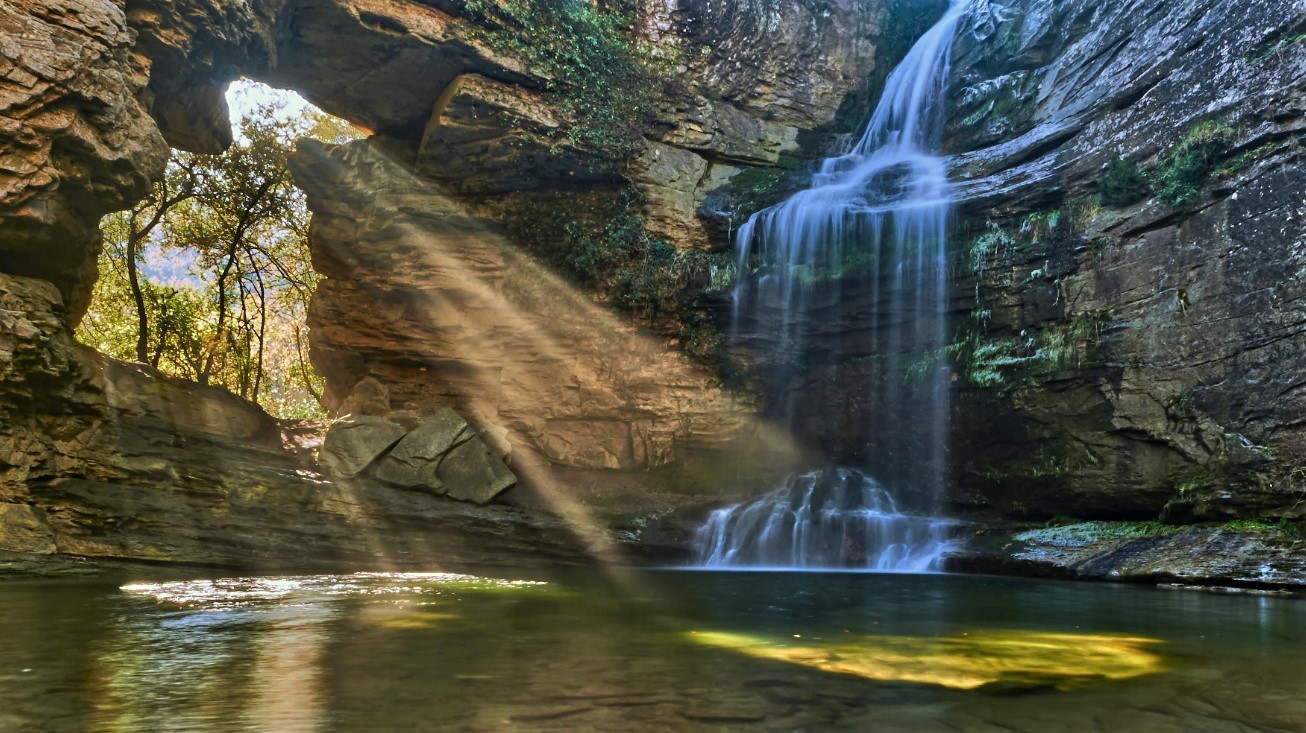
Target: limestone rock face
{"points": [[1141, 361], [1046, 91], [368, 397], [790, 64], [489, 137], [25, 528], [75, 141], [434, 307]]}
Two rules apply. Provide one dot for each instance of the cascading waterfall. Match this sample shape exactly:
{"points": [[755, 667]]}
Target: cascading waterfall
{"points": [[881, 208]]}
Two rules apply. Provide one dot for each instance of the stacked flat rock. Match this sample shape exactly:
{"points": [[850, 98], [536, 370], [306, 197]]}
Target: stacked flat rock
{"points": [[443, 455]]}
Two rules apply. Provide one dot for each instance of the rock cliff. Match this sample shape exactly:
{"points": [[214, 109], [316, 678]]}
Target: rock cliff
{"points": [[1173, 329], [106, 459], [1118, 352], [425, 298]]}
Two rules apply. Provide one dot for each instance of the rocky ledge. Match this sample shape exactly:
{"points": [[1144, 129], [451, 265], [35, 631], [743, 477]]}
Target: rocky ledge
{"points": [[1246, 555], [139, 466]]}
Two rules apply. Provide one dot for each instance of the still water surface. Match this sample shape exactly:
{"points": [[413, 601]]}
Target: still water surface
{"points": [[645, 651]]}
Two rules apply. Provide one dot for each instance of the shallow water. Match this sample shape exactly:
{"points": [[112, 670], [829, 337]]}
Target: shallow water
{"points": [[646, 651]]}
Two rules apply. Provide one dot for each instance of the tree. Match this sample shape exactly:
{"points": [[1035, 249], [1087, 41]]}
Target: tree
{"points": [[209, 278]]}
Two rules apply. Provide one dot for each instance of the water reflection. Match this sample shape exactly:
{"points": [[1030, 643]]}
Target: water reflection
{"points": [[774, 652], [966, 661], [287, 681]]}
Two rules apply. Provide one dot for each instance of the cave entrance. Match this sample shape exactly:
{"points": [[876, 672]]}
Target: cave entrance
{"points": [[208, 279]]}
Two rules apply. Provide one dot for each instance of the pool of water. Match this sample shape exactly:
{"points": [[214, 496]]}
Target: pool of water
{"points": [[624, 650]]}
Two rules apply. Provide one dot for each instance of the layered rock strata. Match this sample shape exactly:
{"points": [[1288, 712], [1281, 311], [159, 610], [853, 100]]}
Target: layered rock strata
{"points": [[1182, 323], [99, 455], [1135, 361], [75, 140], [134, 465]]}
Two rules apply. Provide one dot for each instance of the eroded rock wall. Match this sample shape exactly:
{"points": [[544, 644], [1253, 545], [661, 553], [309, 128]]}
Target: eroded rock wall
{"points": [[75, 140], [107, 459]]}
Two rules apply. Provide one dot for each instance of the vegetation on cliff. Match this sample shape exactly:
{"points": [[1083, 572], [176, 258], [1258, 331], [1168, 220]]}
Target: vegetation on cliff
{"points": [[602, 74], [1178, 174]]}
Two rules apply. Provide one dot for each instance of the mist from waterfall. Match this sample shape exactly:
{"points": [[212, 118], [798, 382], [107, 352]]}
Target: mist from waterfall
{"points": [[879, 211]]}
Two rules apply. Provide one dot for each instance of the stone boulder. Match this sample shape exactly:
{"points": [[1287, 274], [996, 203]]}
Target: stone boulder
{"points": [[441, 455], [474, 472], [414, 460], [353, 443], [368, 397]]}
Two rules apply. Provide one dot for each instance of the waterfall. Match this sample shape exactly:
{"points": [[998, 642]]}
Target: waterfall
{"points": [[882, 209]]}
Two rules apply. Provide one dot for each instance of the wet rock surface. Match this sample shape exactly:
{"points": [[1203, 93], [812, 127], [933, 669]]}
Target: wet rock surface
{"points": [[1141, 360]]}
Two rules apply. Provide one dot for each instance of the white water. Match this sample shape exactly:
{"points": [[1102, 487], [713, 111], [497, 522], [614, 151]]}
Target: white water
{"points": [[837, 518], [882, 205]]}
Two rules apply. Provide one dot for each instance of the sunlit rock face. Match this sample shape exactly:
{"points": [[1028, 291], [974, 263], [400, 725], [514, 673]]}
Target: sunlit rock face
{"points": [[752, 76], [1182, 395], [550, 380], [431, 302], [79, 82]]}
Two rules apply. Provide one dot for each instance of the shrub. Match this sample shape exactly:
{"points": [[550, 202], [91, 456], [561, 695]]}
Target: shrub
{"points": [[1122, 183], [1179, 175]]}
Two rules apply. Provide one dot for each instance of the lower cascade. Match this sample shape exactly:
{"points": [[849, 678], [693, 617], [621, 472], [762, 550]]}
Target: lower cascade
{"points": [[834, 518]]}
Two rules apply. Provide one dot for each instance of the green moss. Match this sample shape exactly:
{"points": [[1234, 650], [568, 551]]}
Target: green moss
{"points": [[1281, 527], [1039, 225], [1122, 183], [988, 246], [1083, 533], [978, 116], [600, 241], [1245, 160], [756, 188], [989, 362]]}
